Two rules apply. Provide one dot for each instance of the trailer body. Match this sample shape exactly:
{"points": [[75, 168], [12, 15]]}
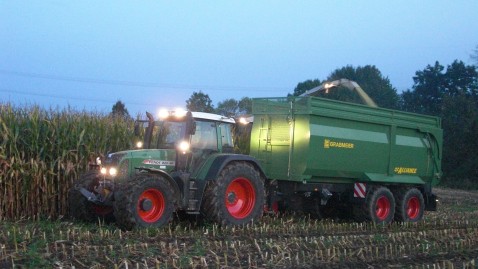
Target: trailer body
{"points": [[312, 139]]}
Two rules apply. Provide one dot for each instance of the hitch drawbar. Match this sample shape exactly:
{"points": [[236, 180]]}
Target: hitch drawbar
{"points": [[97, 198]]}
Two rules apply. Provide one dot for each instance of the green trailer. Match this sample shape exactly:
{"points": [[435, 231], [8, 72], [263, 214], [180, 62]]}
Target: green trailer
{"points": [[307, 154], [323, 148]]}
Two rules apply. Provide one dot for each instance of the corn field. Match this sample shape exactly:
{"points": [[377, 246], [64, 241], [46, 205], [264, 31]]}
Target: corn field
{"points": [[43, 151]]}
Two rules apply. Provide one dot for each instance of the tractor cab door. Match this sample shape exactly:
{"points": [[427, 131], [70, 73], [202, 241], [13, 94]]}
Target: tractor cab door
{"points": [[204, 142]]}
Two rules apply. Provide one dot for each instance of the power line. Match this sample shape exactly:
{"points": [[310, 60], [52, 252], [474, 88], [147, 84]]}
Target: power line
{"points": [[70, 98], [140, 84]]}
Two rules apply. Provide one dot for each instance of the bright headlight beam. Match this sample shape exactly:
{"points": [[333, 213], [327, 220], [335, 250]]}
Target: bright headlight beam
{"points": [[113, 171], [183, 146], [139, 144]]}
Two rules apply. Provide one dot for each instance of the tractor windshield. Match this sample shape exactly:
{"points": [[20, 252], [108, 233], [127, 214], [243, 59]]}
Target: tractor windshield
{"points": [[166, 134]]}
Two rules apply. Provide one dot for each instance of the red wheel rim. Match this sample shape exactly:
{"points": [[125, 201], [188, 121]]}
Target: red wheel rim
{"points": [[102, 210], [382, 209], [240, 198], [413, 207], [156, 205]]}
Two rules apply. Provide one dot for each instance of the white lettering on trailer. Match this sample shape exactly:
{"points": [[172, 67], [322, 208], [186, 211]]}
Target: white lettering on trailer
{"points": [[360, 190], [158, 162]]}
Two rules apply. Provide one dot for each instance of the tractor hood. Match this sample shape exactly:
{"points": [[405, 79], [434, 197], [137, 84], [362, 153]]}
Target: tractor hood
{"points": [[126, 163], [164, 159]]}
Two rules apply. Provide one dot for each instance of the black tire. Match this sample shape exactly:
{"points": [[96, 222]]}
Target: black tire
{"points": [[236, 197], [78, 205], [379, 206], [145, 201], [410, 205], [311, 207]]}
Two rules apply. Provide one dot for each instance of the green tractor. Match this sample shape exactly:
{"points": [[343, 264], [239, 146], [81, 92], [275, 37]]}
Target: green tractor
{"points": [[186, 164]]}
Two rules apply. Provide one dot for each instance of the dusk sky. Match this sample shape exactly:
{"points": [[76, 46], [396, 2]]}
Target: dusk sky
{"points": [[155, 54]]}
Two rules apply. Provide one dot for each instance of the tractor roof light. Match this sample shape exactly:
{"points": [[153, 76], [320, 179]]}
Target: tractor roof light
{"points": [[177, 113], [163, 113]]}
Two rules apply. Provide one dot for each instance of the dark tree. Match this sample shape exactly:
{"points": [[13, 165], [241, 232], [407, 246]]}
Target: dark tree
{"points": [[427, 92], [305, 86], [245, 106], [370, 80], [119, 110], [233, 108], [451, 94], [199, 102], [228, 107], [368, 77]]}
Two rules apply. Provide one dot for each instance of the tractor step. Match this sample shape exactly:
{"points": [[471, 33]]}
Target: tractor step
{"points": [[192, 201], [192, 206], [193, 212]]}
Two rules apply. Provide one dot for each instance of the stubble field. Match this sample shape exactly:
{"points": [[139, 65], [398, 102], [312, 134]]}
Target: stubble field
{"points": [[447, 238]]}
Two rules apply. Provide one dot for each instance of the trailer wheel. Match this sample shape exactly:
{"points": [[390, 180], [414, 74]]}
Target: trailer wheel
{"points": [[410, 205], [78, 206], [144, 201], [236, 197], [379, 206]]}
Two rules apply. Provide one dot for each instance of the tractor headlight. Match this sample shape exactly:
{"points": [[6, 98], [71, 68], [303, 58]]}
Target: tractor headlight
{"points": [[139, 144], [183, 146], [112, 171]]}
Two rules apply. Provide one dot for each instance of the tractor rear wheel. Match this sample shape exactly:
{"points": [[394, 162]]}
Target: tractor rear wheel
{"points": [[145, 201], [379, 206], [410, 205], [236, 197], [78, 205]]}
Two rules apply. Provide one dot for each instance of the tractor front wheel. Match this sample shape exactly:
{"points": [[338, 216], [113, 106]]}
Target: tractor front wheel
{"points": [[236, 197], [144, 201]]}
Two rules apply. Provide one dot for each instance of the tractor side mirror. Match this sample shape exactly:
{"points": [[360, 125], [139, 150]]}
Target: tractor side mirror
{"points": [[190, 123], [191, 126], [138, 125], [136, 128]]}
